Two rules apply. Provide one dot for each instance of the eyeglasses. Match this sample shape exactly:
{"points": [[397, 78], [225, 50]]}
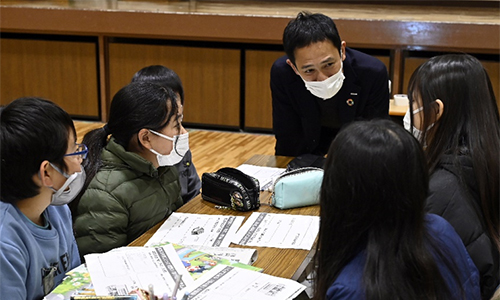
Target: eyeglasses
{"points": [[81, 151]]}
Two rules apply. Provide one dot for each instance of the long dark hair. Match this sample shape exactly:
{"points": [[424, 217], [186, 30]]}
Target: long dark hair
{"points": [[372, 199], [470, 124], [136, 106]]}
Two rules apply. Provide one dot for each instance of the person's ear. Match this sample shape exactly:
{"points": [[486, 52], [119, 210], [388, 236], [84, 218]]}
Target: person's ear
{"points": [[290, 63], [144, 138], [182, 130], [342, 47], [440, 109], [45, 174]]}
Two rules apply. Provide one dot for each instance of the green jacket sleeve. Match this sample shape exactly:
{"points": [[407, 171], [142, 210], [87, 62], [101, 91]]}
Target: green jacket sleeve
{"points": [[101, 222]]}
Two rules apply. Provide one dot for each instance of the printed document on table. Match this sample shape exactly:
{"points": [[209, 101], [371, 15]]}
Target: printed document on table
{"points": [[228, 283], [197, 229], [265, 175], [242, 255], [116, 273], [279, 231]]}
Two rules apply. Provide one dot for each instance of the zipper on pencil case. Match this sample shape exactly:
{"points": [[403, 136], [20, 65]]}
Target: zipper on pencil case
{"points": [[292, 173]]}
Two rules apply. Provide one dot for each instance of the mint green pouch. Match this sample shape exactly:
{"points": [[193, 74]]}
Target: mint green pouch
{"points": [[296, 188]]}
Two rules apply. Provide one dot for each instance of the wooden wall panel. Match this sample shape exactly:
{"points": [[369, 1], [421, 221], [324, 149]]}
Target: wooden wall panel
{"points": [[410, 65], [258, 101], [492, 67], [64, 72], [387, 62], [211, 77], [385, 59]]}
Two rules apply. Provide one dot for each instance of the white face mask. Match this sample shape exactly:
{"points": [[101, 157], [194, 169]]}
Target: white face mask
{"points": [[327, 88], [70, 189], [417, 133], [180, 147]]}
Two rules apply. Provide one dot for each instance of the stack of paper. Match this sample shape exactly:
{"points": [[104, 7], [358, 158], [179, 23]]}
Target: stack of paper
{"points": [[198, 262], [197, 230], [209, 269], [119, 272], [279, 231], [260, 230]]}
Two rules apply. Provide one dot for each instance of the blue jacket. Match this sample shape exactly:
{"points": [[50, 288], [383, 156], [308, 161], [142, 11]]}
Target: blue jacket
{"points": [[348, 284], [296, 113], [28, 251]]}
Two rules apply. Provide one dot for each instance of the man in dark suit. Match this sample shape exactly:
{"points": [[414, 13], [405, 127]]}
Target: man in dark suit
{"points": [[320, 85]]}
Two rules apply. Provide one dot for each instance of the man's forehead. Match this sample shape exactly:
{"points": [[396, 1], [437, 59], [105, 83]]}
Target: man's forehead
{"points": [[315, 53]]}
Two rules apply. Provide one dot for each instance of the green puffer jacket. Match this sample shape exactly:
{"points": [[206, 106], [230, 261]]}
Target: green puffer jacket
{"points": [[127, 196]]}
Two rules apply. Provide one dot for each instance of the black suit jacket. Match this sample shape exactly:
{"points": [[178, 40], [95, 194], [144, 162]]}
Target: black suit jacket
{"points": [[297, 116]]}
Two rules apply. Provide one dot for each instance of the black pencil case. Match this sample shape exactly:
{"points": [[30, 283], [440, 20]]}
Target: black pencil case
{"points": [[231, 188]]}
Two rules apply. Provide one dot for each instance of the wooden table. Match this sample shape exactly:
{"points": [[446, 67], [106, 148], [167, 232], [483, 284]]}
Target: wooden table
{"points": [[286, 263]]}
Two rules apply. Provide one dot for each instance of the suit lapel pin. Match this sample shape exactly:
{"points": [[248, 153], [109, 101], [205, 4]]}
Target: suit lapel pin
{"points": [[350, 102]]}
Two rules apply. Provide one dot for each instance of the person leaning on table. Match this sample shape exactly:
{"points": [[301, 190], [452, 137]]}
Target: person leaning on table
{"points": [[321, 85], [40, 173], [133, 182]]}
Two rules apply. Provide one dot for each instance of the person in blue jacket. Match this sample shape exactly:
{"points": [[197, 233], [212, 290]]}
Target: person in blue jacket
{"points": [[188, 177], [41, 173], [375, 240], [320, 85]]}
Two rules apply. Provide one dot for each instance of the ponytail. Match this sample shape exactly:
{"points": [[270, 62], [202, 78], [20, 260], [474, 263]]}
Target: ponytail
{"points": [[95, 141], [137, 105]]}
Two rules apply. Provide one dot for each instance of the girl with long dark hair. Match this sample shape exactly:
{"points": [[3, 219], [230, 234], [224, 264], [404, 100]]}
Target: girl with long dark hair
{"points": [[455, 116], [375, 241]]}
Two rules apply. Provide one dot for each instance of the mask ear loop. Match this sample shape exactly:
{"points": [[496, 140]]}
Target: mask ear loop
{"points": [[172, 139], [176, 142], [177, 137]]}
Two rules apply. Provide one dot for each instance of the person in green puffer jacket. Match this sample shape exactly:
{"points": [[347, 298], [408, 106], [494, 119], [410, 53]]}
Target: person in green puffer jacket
{"points": [[131, 182]]}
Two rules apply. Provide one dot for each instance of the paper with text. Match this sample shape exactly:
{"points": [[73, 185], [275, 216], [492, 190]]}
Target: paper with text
{"points": [[197, 229], [265, 175], [228, 283], [279, 231], [116, 273], [242, 255]]}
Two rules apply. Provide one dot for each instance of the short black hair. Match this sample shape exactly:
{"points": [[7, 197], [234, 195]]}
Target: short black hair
{"points": [[308, 28], [32, 130], [161, 75]]}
